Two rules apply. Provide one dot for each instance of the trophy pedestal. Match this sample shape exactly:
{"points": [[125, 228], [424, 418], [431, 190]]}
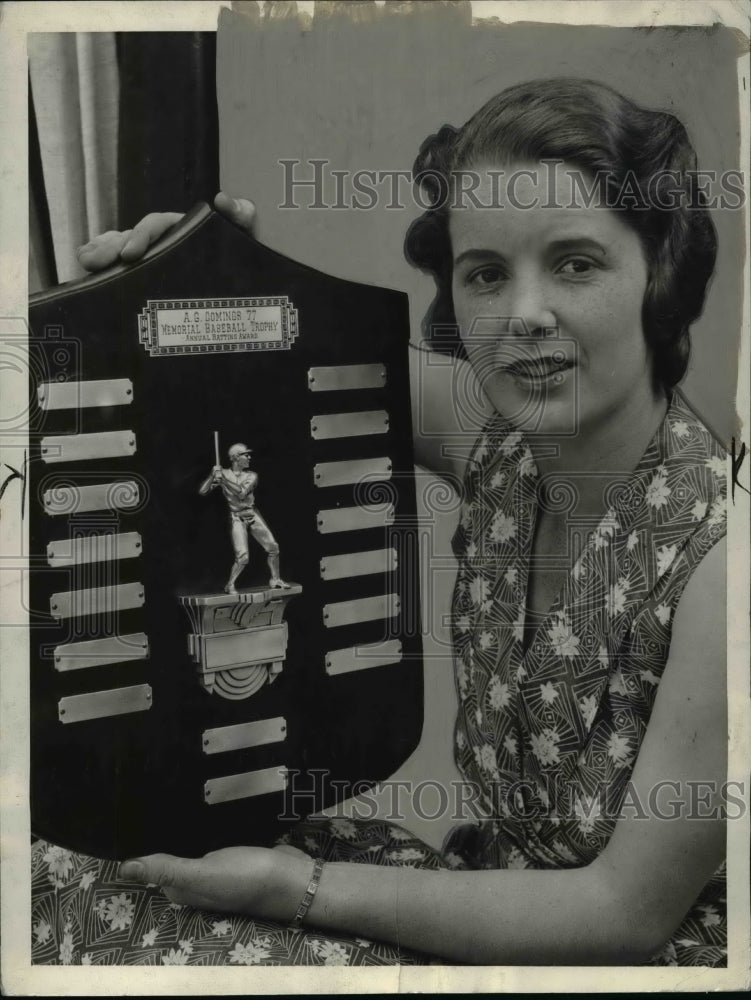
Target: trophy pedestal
{"points": [[239, 641]]}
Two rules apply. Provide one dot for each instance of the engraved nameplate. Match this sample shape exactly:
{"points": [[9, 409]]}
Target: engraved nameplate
{"points": [[80, 499], [101, 652], [78, 395], [94, 548], [247, 734], [242, 786], [103, 704], [208, 326], [354, 470], [358, 564], [365, 609], [87, 447], [97, 601], [222, 650], [376, 654], [354, 518], [332, 378], [339, 425]]}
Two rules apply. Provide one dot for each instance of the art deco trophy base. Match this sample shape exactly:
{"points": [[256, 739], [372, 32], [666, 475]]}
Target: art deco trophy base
{"points": [[239, 641]]}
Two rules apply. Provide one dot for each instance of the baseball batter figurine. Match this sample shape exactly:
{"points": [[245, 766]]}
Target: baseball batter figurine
{"points": [[238, 484]]}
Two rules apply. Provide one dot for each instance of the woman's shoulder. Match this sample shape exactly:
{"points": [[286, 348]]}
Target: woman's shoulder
{"points": [[678, 526], [692, 471], [690, 434]]}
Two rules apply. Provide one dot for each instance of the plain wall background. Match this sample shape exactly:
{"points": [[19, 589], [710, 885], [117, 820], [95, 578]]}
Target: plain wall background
{"points": [[365, 95]]}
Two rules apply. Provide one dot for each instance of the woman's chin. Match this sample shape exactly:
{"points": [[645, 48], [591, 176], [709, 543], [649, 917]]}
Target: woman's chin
{"points": [[536, 407]]}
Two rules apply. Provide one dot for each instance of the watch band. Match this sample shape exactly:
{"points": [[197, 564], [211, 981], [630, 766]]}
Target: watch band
{"points": [[310, 892]]}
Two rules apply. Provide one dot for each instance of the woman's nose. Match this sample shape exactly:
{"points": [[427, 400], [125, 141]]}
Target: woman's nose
{"points": [[530, 311]]}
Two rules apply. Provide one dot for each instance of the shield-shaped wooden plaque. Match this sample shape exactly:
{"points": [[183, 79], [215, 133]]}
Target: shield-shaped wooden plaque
{"points": [[168, 715]]}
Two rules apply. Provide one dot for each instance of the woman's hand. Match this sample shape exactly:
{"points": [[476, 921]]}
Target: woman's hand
{"points": [[257, 881], [131, 245]]}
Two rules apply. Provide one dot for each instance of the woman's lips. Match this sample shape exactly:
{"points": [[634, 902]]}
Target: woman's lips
{"points": [[538, 369]]}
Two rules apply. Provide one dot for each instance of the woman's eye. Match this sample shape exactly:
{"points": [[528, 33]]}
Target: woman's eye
{"points": [[577, 266], [491, 274]]}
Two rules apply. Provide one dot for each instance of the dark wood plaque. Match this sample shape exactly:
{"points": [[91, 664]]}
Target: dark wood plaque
{"points": [[168, 715]]}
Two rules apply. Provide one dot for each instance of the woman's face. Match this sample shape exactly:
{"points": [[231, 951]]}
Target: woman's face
{"points": [[548, 296]]}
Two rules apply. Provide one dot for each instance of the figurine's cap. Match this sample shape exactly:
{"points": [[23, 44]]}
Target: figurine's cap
{"points": [[239, 449]]}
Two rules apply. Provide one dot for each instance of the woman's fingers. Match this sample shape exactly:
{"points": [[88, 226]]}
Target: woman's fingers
{"points": [[146, 232], [232, 879], [157, 869], [183, 880], [130, 245], [241, 211], [102, 250]]}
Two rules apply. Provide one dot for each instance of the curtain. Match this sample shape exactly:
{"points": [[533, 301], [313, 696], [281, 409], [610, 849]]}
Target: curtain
{"points": [[42, 269], [74, 88], [120, 125]]}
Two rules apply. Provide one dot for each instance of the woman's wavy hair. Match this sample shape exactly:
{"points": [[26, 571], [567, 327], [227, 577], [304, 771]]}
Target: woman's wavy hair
{"points": [[640, 160]]}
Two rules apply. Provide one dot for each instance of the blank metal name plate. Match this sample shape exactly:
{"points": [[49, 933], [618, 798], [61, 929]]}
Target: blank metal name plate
{"points": [[223, 650], [94, 548], [352, 471], [102, 704], [358, 564], [354, 518], [375, 654], [365, 609], [332, 378], [88, 447], [97, 601], [340, 425], [81, 499], [247, 734], [101, 652], [242, 786], [77, 395]]}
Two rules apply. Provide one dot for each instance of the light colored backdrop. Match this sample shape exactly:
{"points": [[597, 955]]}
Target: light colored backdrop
{"points": [[364, 95]]}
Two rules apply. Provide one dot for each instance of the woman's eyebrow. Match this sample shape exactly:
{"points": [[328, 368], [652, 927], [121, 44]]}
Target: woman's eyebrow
{"points": [[578, 243], [479, 254], [567, 243]]}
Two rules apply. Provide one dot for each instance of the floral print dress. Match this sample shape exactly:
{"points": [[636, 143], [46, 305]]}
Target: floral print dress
{"points": [[547, 733]]}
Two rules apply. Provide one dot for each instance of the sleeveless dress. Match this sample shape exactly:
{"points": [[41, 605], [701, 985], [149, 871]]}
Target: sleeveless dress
{"points": [[548, 736]]}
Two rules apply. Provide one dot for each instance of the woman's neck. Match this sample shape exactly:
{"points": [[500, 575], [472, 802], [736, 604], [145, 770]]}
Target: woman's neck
{"points": [[602, 454]]}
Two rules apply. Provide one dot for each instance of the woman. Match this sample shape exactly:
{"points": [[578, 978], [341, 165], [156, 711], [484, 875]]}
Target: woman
{"points": [[588, 634]]}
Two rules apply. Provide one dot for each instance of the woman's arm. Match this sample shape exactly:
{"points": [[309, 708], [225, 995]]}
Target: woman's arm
{"points": [[624, 906], [618, 910]]}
